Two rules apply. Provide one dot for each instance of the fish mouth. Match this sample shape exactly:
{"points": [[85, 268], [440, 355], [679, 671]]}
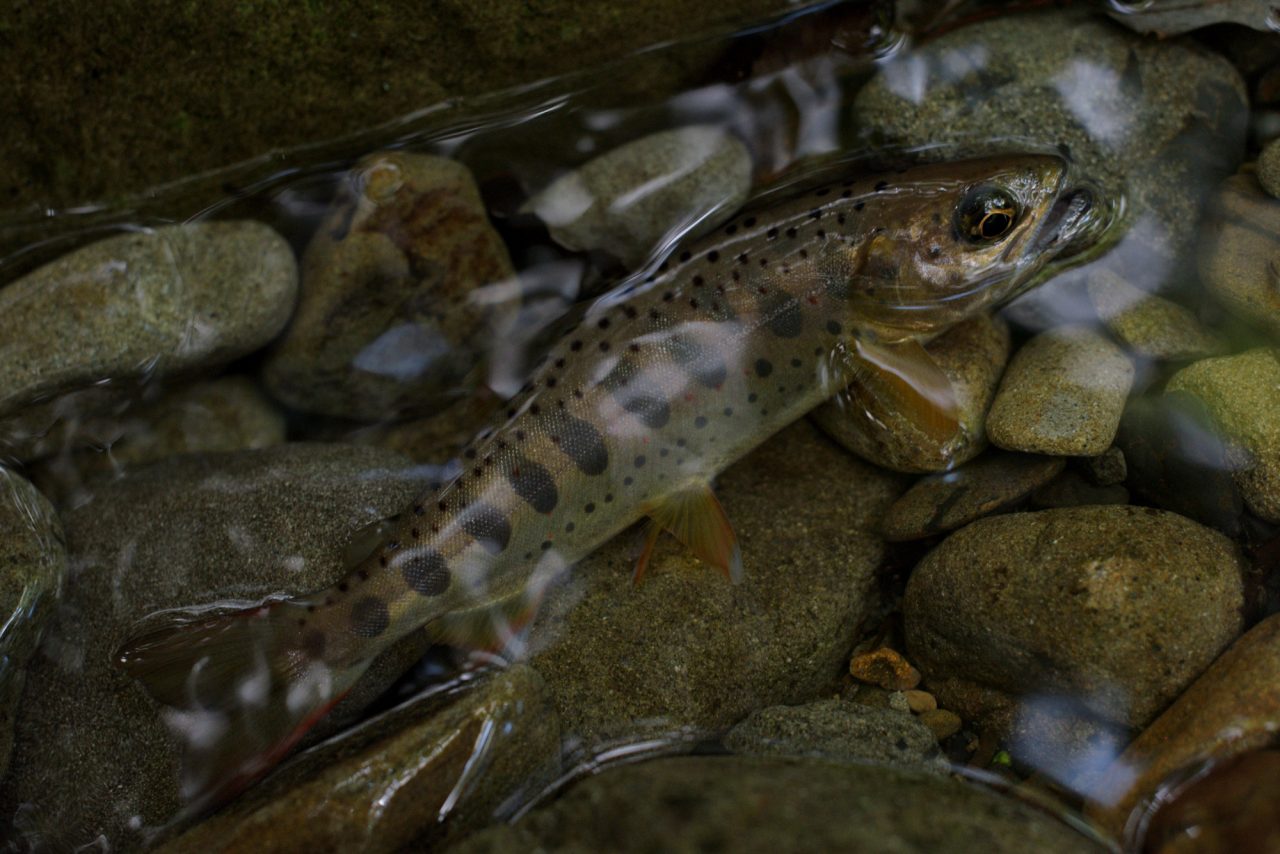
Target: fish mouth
{"points": [[1074, 225]]}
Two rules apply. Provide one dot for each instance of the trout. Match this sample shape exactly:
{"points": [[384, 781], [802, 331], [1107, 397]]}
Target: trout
{"points": [[662, 384]]}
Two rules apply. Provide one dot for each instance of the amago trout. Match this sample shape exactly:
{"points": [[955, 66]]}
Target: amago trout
{"points": [[661, 385]]}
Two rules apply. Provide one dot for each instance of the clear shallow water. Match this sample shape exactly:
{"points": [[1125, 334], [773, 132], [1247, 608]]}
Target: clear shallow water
{"points": [[794, 116]]}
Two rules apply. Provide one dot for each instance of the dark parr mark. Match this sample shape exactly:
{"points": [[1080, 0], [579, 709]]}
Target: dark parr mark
{"points": [[369, 617], [653, 412], [487, 525], [581, 442], [782, 315], [426, 573], [699, 361], [534, 484], [833, 327]]}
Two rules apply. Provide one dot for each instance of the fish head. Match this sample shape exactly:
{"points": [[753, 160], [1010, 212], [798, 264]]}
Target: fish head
{"points": [[951, 240]]}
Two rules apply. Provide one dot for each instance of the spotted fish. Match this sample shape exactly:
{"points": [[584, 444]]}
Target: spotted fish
{"points": [[661, 385]]}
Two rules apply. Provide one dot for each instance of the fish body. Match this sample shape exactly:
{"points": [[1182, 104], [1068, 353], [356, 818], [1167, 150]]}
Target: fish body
{"points": [[661, 384]]}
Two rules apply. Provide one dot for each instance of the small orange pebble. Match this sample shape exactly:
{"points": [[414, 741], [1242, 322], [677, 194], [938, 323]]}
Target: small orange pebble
{"points": [[885, 668], [920, 701], [941, 723]]}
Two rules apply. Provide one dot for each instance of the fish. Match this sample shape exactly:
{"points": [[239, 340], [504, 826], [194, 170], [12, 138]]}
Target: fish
{"points": [[660, 385]]}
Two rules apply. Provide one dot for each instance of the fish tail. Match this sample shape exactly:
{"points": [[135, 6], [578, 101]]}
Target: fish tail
{"points": [[239, 690]]}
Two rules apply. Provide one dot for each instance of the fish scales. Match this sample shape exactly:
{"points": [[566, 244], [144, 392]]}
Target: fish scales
{"points": [[660, 386]]}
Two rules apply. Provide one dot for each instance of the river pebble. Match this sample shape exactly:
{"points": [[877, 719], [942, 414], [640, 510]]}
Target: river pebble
{"points": [[1108, 468], [1242, 393], [1073, 489], [1269, 168], [418, 777], [33, 561], [166, 536], [1149, 325], [686, 649], [741, 803], [1240, 251], [393, 315], [1078, 602], [839, 730], [1063, 393], [628, 200], [1232, 708], [972, 356], [143, 304], [944, 502]]}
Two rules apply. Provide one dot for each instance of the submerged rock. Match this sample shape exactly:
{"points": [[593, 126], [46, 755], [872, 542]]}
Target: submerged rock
{"points": [[392, 317], [1072, 489], [1240, 251], [944, 502], [972, 356], [1160, 122], [838, 730], [1063, 393], [190, 530], [1269, 168], [1149, 325], [421, 775], [1231, 709], [147, 303], [627, 200], [778, 804], [33, 560], [1242, 394], [1079, 603], [686, 649]]}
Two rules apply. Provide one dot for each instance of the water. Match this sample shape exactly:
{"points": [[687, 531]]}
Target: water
{"points": [[785, 93]]}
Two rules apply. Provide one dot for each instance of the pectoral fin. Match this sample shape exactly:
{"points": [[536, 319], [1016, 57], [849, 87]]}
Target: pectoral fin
{"points": [[490, 627], [694, 517], [903, 377]]}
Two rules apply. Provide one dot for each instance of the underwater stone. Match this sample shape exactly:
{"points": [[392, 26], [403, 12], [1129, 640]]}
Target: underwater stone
{"points": [[1063, 393], [1149, 325], [393, 316], [1232, 708], [1242, 394], [972, 356], [1081, 604], [1269, 168], [626, 200], [744, 803], [385, 786], [1160, 122], [686, 649], [185, 531], [1073, 489], [839, 730], [33, 561], [148, 303], [946, 501], [1240, 251]]}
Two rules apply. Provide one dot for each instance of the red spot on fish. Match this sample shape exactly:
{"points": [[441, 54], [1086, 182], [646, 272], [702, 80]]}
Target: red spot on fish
{"points": [[813, 300]]}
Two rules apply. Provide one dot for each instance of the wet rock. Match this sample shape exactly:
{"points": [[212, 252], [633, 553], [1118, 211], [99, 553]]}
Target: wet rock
{"points": [[989, 484], [226, 414], [391, 318], [1072, 489], [838, 730], [1269, 168], [1178, 460], [388, 785], [437, 439], [778, 804], [886, 668], [1231, 709], [627, 200], [688, 650], [166, 536], [1108, 468], [942, 723], [972, 356], [1242, 393], [1081, 603], [1148, 325], [1159, 121], [1063, 393], [919, 701], [1240, 251], [143, 304], [32, 563]]}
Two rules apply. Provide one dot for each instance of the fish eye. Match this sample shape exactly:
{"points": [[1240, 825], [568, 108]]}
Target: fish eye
{"points": [[986, 214]]}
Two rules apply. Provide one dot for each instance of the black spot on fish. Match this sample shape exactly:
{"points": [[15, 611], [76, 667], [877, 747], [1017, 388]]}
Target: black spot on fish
{"points": [[685, 255], [604, 323], [608, 498], [881, 185], [792, 232], [713, 256], [771, 233], [753, 397], [582, 443], [846, 194], [604, 346], [795, 363], [589, 508], [369, 617], [700, 422], [568, 528], [763, 367], [749, 222], [857, 206], [834, 327], [313, 643], [487, 525], [639, 461], [838, 288], [575, 346], [427, 572], [728, 411], [532, 482], [546, 545]]}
